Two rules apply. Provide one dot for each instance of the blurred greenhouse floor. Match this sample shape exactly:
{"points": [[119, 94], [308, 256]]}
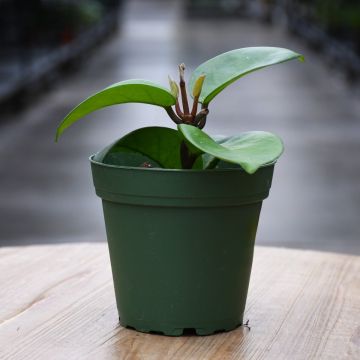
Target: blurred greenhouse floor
{"points": [[46, 188]]}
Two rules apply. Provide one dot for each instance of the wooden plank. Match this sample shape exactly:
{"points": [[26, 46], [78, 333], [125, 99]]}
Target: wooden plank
{"points": [[57, 302]]}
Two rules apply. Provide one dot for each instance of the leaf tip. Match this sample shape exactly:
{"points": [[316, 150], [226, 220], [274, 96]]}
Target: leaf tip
{"points": [[57, 135], [59, 132], [249, 168], [251, 171]]}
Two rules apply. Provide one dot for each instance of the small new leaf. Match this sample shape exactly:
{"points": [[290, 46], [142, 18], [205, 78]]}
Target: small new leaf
{"points": [[173, 87], [198, 85]]}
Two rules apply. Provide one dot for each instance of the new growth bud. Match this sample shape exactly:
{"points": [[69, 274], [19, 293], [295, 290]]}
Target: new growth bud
{"points": [[182, 72], [174, 87], [196, 93], [198, 86], [183, 90], [185, 116]]}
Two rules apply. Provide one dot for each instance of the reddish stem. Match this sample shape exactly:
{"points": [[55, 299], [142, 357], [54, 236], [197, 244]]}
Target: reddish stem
{"points": [[195, 106], [183, 90], [178, 110]]}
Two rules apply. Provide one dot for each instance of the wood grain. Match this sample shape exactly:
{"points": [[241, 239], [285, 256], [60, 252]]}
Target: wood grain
{"points": [[57, 302]]}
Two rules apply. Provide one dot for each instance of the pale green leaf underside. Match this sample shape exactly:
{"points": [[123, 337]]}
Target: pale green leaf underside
{"points": [[130, 91], [226, 68], [159, 145], [250, 150]]}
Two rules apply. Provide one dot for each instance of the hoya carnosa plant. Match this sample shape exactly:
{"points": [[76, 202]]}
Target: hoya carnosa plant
{"points": [[188, 147]]}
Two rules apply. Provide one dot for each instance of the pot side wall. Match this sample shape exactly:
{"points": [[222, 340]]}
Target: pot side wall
{"points": [[179, 267]]}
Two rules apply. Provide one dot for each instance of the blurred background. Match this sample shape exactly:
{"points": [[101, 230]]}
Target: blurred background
{"points": [[53, 54]]}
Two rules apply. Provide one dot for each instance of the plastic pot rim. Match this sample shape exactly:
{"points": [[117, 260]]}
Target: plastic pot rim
{"points": [[136, 168]]}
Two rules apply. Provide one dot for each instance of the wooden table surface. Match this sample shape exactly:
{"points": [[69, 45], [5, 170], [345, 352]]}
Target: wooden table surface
{"points": [[57, 302]]}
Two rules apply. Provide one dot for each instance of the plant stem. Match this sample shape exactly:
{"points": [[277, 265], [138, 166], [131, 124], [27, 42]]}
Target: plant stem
{"points": [[195, 105], [172, 115], [200, 119], [178, 110], [184, 116], [183, 90], [187, 159]]}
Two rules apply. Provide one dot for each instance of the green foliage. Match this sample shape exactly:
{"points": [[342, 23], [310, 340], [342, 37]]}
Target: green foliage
{"points": [[226, 68], [158, 146], [189, 147], [130, 91], [250, 150]]}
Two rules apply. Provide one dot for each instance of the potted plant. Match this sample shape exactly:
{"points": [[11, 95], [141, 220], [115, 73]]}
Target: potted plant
{"points": [[181, 208]]}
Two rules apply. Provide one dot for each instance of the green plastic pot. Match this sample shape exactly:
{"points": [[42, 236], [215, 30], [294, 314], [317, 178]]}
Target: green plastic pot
{"points": [[181, 244]]}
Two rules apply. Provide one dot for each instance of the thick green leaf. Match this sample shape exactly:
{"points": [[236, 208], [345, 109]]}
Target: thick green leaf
{"points": [[224, 69], [158, 145], [211, 162], [130, 91], [125, 157], [250, 150]]}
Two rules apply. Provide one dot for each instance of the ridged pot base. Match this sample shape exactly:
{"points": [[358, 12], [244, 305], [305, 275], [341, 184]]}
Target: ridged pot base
{"points": [[179, 331]]}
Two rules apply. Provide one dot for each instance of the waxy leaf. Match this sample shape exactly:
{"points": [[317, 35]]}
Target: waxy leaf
{"points": [[250, 150], [159, 146], [130, 91], [224, 69]]}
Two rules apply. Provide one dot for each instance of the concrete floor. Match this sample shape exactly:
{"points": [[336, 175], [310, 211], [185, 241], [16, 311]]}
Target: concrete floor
{"points": [[46, 190]]}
